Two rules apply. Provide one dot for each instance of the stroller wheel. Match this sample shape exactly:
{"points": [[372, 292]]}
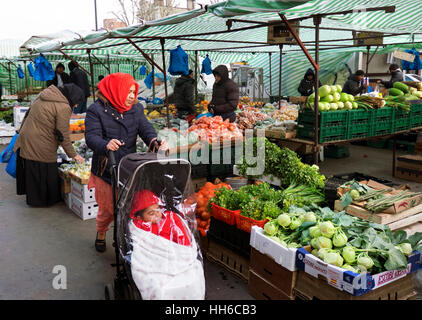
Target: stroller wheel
{"points": [[109, 292]]}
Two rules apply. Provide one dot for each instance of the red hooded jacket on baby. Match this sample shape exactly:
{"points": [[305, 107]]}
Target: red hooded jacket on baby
{"points": [[169, 226]]}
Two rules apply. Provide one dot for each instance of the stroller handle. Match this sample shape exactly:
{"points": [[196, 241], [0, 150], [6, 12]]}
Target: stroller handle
{"points": [[112, 158]]}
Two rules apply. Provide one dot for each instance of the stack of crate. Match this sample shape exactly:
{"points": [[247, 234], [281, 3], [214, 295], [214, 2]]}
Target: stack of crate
{"points": [[83, 202], [416, 115]]}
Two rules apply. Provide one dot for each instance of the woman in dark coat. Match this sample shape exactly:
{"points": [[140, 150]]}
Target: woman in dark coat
{"points": [[113, 122], [306, 86], [44, 128], [225, 95]]}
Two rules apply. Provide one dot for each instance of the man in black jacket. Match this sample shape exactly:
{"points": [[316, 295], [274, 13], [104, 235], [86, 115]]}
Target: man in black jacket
{"points": [[306, 86], [396, 76], [225, 95], [183, 95], [78, 77], [60, 78], [354, 84]]}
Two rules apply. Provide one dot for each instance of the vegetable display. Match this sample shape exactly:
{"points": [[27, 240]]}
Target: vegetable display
{"points": [[285, 165], [343, 240], [215, 129]]}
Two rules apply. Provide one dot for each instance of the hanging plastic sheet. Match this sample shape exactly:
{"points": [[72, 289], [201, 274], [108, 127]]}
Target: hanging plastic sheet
{"points": [[20, 73], [206, 66], [179, 64], [31, 70], [143, 70], [43, 69]]}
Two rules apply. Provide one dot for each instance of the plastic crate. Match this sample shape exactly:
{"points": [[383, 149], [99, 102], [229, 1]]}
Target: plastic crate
{"points": [[245, 224], [380, 114], [416, 121], [401, 124], [336, 152], [402, 145], [416, 108], [225, 215], [326, 134], [379, 144], [358, 130], [399, 114], [325, 119], [380, 128], [358, 117], [230, 237]]}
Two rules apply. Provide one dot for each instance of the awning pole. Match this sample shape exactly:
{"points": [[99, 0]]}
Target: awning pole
{"points": [[108, 63], [367, 63], [101, 62], [26, 81], [92, 73], [279, 76], [10, 78], [196, 76], [153, 75], [162, 41], [317, 22], [271, 83]]}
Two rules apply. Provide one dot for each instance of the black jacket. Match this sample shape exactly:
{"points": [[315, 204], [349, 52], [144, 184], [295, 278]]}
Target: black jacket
{"points": [[104, 123], [306, 87], [183, 93], [396, 76], [353, 86], [55, 82], [79, 77], [225, 95]]}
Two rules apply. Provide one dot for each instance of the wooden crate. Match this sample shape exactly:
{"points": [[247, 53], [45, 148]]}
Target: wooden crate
{"points": [[280, 134], [78, 179], [233, 262], [273, 273], [261, 289], [381, 218], [311, 288], [65, 185]]}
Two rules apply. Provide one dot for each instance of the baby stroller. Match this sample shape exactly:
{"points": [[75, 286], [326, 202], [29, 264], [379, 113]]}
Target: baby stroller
{"points": [[170, 180]]}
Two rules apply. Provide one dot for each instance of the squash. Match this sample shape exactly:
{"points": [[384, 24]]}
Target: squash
{"points": [[401, 86], [395, 92]]}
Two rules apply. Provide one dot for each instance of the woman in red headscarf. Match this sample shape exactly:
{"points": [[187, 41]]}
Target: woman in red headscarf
{"points": [[113, 122]]}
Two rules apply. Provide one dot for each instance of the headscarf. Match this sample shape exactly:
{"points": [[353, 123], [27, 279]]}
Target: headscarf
{"points": [[142, 200], [73, 94], [115, 87]]}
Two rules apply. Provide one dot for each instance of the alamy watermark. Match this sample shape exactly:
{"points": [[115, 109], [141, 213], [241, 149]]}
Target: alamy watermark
{"points": [[60, 280]]}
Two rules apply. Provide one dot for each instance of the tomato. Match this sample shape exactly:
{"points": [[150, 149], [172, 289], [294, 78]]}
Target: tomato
{"points": [[205, 215]]}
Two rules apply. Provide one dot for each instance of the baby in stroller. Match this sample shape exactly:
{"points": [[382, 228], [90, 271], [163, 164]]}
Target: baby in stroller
{"points": [[164, 260]]}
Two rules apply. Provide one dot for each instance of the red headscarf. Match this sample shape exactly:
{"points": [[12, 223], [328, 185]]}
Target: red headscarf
{"points": [[115, 87], [169, 227]]}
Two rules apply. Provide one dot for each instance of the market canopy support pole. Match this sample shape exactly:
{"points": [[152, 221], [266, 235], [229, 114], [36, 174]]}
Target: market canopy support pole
{"points": [[153, 76], [10, 78], [279, 76], [162, 41], [26, 81], [145, 55], [271, 83], [74, 61], [92, 73], [196, 77], [108, 63], [317, 22], [367, 64]]}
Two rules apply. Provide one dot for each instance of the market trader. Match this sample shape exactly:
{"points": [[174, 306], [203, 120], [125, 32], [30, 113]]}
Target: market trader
{"points": [[396, 76], [354, 84], [183, 95], [60, 77], [306, 86], [78, 77], [225, 95]]}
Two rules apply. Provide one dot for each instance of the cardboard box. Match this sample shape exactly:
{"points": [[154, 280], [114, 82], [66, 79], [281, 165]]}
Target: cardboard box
{"points": [[408, 174], [310, 288], [261, 289], [82, 192], [348, 281], [285, 257], [67, 198], [18, 115], [271, 272], [65, 185], [411, 161], [233, 262], [399, 206], [84, 211]]}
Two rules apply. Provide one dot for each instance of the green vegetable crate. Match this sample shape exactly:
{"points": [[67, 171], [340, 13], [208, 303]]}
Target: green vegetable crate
{"points": [[325, 119], [416, 121], [326, 134]]}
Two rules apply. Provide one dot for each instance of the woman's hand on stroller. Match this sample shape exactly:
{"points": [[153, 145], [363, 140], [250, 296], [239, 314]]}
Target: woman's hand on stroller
{"points": [[114, 145]]}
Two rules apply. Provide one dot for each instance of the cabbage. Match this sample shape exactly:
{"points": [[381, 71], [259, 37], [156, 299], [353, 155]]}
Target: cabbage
{"points": [[349, 267], [365, 260], [348, 105], [309, 217], [333, 106], [284, 220], [324, 91], [270, 229], [349, 254], [336, 97], [293, 245], [406, 248], [315, 244], [333, 258], [351, 98], [323, 242], [327, 229], [339, 239], [322, 252], [299, 211], [295, 224], [339, 88], [355, 105], [314, 232], [354, 194], [333, 89], [315, 252]]}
